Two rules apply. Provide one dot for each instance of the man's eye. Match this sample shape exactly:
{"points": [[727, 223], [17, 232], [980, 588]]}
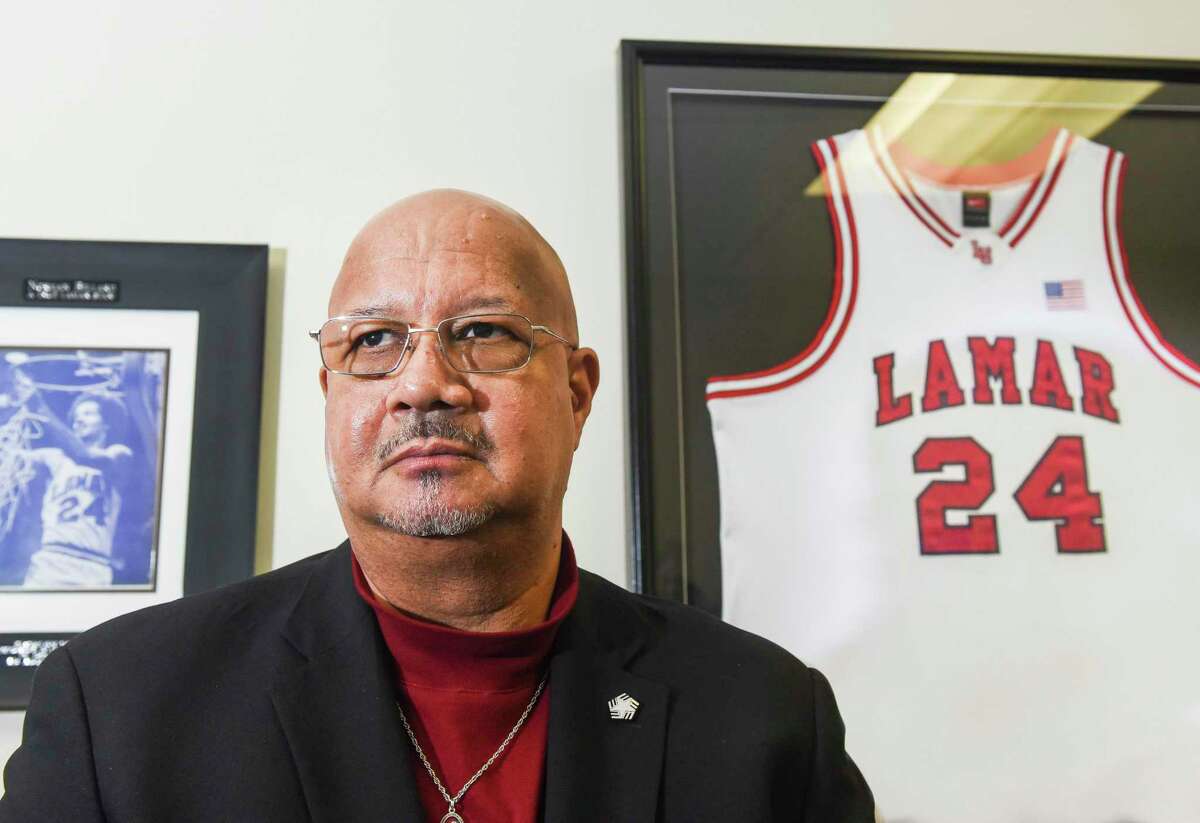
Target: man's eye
{"points": [[374, 339], [484, 331]]}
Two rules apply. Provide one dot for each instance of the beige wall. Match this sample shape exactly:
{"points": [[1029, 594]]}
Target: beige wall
{"points": [[289, 123]]}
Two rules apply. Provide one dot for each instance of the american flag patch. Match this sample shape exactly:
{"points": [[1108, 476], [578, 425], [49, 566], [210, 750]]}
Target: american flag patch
{"points": [[1064, 294]]}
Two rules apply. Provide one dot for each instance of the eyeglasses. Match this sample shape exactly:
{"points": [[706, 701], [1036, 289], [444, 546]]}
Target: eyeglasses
{"points": [[473, 343]]}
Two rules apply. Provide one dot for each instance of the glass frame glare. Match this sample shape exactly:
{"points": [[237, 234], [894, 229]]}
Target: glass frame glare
{"points": [[436, 330]]}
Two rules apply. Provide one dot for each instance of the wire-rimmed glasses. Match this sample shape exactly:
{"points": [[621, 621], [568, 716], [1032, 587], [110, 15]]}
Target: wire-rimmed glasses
{"points": [[474, 343]]}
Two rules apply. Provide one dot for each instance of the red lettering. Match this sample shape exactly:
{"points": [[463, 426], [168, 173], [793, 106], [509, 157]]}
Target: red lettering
{"points": [[981, 253], [1095, 373], [994, 361], [890, 407], [1048, 387], [941, 386], [937, 536], [993, 366], [1057, 489]]}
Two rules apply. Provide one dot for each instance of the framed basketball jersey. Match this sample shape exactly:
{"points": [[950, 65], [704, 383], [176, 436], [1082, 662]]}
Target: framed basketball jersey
{"points": [[914, 341]]}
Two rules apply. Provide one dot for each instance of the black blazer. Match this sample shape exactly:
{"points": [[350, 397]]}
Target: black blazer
{"points": [[274, 700]]}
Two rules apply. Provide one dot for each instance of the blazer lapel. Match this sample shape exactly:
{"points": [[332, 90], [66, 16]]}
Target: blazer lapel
{"points": [[599, 768], [336, 705]]}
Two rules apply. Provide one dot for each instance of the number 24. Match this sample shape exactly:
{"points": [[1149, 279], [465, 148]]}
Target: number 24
{"points": [[1056, 489]]}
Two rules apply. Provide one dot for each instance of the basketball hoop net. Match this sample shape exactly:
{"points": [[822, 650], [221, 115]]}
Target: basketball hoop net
{"points": [[16, 469]]}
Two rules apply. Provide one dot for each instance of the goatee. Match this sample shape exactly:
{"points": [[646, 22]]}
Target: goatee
{"points": [[425, 514]]}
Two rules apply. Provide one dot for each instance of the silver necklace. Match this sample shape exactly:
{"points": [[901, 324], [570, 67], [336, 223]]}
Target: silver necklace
{"points": [[451, 815]]}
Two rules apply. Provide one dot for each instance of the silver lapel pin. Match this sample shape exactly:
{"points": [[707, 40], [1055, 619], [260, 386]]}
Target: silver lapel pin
{"points": [[622, 707]]}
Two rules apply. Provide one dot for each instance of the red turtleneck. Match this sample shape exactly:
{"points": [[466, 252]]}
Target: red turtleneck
{"points": [[464, 691]]}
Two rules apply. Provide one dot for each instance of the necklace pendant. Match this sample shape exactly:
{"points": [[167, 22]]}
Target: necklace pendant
{"points": [[452, 816]]}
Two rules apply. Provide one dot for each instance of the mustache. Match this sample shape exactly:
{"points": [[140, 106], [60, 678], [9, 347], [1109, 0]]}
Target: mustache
{"points": [[424, 426]]}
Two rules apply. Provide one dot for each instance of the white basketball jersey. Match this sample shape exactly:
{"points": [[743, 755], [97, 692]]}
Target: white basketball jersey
{"points": [[80, 508], [972, 499]]}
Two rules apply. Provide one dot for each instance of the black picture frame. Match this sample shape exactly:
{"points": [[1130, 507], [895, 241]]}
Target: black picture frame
{"points": [[226, 286], [737, 203]]}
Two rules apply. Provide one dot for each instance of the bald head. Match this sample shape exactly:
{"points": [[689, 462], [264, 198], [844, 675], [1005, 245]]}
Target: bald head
{"points": [[451, 230]]}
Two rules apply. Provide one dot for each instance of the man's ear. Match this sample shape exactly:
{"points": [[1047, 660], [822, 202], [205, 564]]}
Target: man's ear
{"points": [[323, 379], [583, 376]]}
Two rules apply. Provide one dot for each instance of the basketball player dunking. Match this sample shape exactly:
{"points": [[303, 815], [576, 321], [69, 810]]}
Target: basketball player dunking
{"points": [[83, 499]]}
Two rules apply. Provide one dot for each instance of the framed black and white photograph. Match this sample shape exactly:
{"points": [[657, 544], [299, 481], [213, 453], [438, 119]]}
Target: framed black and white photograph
{"points": [[914, 343], [80, 459], [130, 380]]}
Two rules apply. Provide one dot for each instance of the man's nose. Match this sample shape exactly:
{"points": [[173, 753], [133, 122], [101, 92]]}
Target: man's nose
{"points": [[425, 381]]}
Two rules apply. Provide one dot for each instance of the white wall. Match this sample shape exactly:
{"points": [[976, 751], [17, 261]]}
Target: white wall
{"points": [[289, 124]]}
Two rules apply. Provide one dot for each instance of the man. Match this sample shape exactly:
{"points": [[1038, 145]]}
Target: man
{"points": [[82, 500], [449, 663]]}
